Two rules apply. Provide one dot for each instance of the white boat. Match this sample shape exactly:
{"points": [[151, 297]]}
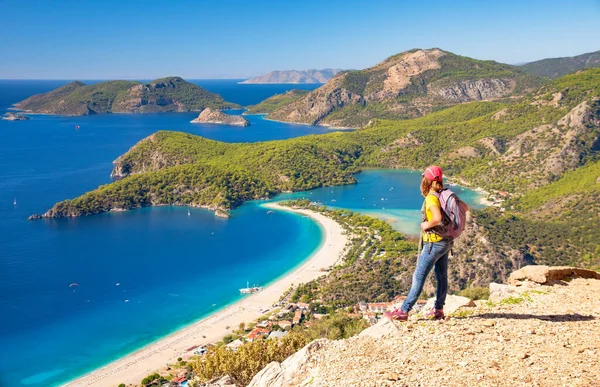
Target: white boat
{"points": [[14, 201], [189, 211], [250, 290]]}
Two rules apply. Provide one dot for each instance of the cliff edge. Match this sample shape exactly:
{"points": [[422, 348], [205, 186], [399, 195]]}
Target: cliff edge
{"points": [[544, 329]]}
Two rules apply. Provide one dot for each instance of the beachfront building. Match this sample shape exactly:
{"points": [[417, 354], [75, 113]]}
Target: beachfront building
{"points": [[258, 333], [285, 324], [379, 307], [371, 317], [265, 324], [179, 381], [362, 306], [297, 317]]}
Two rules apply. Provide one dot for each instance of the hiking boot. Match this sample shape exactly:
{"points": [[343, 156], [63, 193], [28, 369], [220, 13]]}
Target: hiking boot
{"points": [[396, 314], [435, 314]]}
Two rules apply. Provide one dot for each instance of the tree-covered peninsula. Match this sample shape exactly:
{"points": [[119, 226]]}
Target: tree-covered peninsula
{"points": [[525, 149], [172, 94]]}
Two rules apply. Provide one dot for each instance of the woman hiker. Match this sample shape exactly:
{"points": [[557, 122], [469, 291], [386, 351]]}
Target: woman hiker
{"points": [[435, 250]]}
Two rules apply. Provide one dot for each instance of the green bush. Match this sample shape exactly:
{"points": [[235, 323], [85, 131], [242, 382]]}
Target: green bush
{"points": [[475, 293]]}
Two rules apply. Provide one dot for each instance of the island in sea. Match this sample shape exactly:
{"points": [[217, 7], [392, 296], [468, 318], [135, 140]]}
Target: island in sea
{"points": [[294, 76], [212, 116], [172, 94]]}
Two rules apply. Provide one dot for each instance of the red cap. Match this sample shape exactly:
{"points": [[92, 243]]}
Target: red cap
{"points": [[433, 172]]}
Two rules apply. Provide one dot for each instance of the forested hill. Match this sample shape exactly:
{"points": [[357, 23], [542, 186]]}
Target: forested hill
{"points": [[171, 94], [518, 146], [406, 85], [557, 67], [275, 102]]}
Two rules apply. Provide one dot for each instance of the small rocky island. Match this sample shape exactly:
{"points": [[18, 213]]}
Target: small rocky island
{"points": [[15, 117], [211, 116]]}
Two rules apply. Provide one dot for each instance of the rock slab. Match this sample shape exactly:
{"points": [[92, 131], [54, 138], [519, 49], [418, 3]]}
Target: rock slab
{"points": [[293, 371], [453, 303], [546, 275], [211, 116]]}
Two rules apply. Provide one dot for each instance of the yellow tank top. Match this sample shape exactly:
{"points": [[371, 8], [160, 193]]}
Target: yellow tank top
{"points": [[431, 200]]}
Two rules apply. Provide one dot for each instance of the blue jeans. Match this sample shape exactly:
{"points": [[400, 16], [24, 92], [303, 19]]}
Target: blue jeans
{"points": [[434, 254]]}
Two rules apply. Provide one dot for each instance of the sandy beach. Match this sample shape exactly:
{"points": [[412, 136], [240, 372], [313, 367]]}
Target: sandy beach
{"points": [[134, 367]]}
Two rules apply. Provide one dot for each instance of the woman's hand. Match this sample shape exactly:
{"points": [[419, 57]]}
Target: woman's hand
{"points": [[425, 226]]}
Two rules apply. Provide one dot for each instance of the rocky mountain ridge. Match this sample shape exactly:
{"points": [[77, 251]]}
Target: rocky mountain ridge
{"points": [[543, 329], [409, 84], [294, 76], [172, 94]]}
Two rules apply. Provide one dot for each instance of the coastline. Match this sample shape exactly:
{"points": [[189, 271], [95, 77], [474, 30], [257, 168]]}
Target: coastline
{"points": [[134, 367]]}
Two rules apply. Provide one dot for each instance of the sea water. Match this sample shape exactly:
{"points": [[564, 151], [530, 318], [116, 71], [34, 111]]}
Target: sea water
{"points": [[78, 293]]}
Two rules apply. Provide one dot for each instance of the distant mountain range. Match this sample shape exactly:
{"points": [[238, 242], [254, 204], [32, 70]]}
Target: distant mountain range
{"points": [[557, 67], [171, 94], [295, 76]]}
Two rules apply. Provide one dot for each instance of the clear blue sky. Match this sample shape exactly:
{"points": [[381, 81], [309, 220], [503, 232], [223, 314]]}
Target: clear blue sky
{"points": [[131, 39]]}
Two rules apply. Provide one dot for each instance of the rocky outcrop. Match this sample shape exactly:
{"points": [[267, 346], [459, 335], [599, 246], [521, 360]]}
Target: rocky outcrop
{"points": [[314, 107], [549, 274], [473, 90], [554, 148], [294, 76], [210, 116], [294, 371], [546, 335], [14, 117]]}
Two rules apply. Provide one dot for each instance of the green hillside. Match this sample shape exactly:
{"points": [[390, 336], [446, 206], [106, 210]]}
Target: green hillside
{"points": [[275, 102], [557, 67], [161, 95]]}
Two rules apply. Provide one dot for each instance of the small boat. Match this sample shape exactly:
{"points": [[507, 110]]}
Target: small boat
{"points": [[189, 211], [250, 290], [14, 201]]}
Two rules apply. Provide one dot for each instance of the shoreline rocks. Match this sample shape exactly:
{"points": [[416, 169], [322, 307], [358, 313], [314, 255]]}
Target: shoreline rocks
{"points": [[211, 116], [15, 117]]}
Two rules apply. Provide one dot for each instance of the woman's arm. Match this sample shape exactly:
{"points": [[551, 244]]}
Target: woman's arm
{"points": [[436, 218]]}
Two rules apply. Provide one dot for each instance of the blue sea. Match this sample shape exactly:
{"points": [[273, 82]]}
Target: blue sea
{"points": [[78, 293]]}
